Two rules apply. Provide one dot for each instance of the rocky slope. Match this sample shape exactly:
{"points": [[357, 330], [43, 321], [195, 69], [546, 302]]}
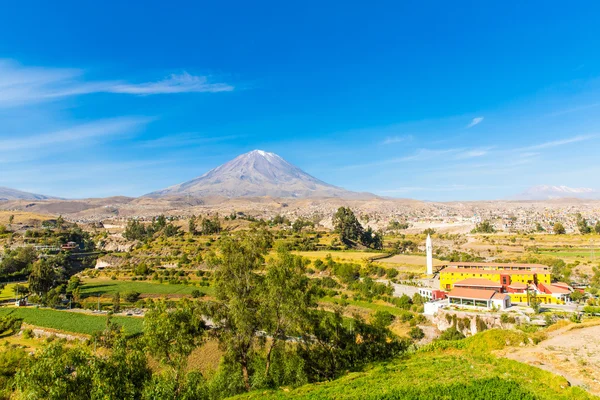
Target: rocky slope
{"points": [[8, 194]]}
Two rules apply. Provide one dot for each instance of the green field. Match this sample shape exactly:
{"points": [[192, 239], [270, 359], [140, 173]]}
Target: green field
{"points": [[95, 287], [7, 293], [440, 374], [71, 321]]}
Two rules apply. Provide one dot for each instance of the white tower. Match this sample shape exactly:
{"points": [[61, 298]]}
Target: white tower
{"points": [[429, 250]]}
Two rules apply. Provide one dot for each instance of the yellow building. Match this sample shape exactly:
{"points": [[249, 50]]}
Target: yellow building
{"points": [[504, 274]]}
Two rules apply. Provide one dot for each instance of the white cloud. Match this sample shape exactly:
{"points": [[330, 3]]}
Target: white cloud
{"points": [[20, 85], [185, 139], [559, 142], [472, 153], [75, 135], [475, 121], [396, 139]]}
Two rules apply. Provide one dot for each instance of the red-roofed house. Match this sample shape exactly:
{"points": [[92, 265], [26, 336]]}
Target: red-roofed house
{"points": [[555, 291]]}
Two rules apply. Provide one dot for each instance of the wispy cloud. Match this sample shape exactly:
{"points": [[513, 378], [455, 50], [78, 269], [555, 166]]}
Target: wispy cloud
{"points": [[559, 142], [475, 121], [75, 135], [573, 109], [396, 139], [473, 153], [185, 139], [21, 85]]}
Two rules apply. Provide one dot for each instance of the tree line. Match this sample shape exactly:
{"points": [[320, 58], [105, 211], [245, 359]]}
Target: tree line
{"points": [[264, 316]]}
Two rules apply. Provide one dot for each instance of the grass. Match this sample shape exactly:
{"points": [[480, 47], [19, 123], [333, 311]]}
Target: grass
{"points": [[7, 293], [74, 322], [470, 373], [93, 287], [22, 217], [352, 256]]}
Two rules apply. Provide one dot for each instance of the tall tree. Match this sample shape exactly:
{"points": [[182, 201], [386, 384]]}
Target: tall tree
{"points": [[171, 332], [285, 301], [347, 225], [192, 224], [236, 309], [43, 276]]}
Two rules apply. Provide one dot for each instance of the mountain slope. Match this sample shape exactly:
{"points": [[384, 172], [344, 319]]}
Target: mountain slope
{"points": [[256, 174], [549, 192], [7, 194]]}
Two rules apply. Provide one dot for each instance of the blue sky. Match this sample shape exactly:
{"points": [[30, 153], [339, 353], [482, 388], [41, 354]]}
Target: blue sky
{"points": [[427, 100]]}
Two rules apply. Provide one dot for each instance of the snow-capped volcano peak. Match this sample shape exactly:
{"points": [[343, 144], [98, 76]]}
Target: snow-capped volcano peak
{"points": [[547, 192], [255, 174]]}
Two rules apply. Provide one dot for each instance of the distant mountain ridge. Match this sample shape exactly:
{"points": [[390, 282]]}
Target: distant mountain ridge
{"points": [[8, 194], [550, 192], [256, 174]]}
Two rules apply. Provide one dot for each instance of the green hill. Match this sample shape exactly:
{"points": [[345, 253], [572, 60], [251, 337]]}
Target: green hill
{"points": [[456, 370]]}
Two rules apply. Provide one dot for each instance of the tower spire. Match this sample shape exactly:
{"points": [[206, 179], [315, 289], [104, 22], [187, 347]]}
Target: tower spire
{"points": [[429, 250]]}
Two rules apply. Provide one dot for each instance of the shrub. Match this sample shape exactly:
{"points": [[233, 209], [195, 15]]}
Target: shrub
{"points": [[416, 333], [451, 334], [196, 293], [28, 334], [132, 296]]}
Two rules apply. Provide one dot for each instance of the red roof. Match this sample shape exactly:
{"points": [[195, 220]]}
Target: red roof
{"points": [[517, 285], [477, 294], [478, 282], [496, 265], [561, 284], [556, 289], [486, 271], [500, 296]]}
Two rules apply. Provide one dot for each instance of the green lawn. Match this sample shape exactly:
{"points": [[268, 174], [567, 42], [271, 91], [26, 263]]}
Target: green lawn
{"points": [[7, 293], [93, 287], [71, 321]]}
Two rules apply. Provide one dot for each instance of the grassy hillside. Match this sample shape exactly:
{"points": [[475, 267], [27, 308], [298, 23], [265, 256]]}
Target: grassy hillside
{"points": [[464, 370]]}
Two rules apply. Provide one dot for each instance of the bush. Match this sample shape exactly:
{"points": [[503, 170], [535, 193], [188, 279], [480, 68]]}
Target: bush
{"points": [[132, 297], [196, 293], [451, 334], [416, 333], [28, 334]]}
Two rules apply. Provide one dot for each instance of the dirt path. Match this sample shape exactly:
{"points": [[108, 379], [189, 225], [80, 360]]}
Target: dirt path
{"points": [[572, 352]]}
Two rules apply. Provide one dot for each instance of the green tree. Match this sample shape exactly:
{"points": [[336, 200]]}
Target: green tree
{"points": [[484, 227], [597, 227], [582, 225], [11, 219], [559, 229], [238, 296], [43, 277], [285, 300], [192, 224], [347, 225], [211, 226], [171, 332], [577, 296]]}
